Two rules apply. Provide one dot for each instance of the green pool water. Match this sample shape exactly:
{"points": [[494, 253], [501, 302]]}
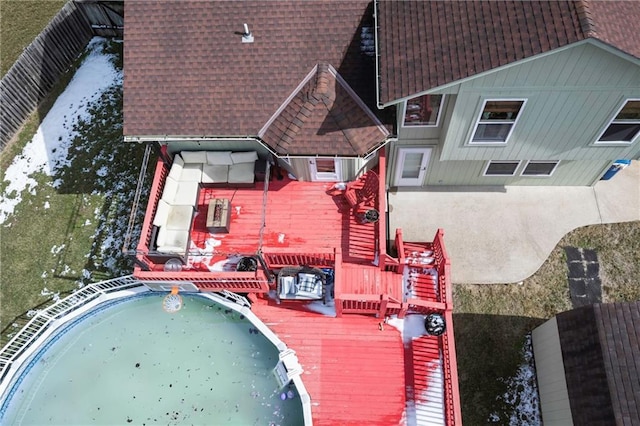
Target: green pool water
{"points": [[133, 363]]}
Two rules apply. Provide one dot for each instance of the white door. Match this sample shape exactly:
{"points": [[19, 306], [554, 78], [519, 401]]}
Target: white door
{"points": [[325, 169], [411, 166]]}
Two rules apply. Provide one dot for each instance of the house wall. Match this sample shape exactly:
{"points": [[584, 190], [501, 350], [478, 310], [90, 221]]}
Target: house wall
{"points": [[218, 145], [552, 386], [571, 95], [299, 167]]}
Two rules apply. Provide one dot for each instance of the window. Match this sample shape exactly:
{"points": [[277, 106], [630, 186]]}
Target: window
{"points": [[540, 168], [496, 121], [423, 110], [325, 165], [625, 126], [501, 168]]}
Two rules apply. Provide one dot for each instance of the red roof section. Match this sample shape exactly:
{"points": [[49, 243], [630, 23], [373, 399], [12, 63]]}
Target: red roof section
{"points": [[425, 44], [187, 71]]}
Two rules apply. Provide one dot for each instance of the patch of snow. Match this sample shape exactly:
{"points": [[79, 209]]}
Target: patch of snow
{"points": [[319, 307], [57, 249], [522, 392], [102, 171], [226, 265], [427, 407], [44, 275], [48, 148], [47, 205], [46, 292], [204, 256], [411, 327]]}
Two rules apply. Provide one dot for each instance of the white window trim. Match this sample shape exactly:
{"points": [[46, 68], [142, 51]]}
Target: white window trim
{"points": [[513, 123], [539, 161], [328, 176], [419, 126], [610, 122], [515, 171]]}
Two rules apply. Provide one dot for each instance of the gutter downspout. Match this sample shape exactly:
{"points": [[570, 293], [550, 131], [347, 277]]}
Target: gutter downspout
{"points": [[375, 33], [167, 138]]}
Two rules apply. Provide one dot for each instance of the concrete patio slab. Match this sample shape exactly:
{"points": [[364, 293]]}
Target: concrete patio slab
{"points": [[505, 235]]}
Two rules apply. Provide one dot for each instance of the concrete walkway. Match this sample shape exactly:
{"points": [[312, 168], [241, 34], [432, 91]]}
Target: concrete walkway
{"points": [[505, 235]]}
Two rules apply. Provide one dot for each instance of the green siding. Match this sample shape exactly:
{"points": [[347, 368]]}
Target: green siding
{"points": [[463, 173], [571, 96]]}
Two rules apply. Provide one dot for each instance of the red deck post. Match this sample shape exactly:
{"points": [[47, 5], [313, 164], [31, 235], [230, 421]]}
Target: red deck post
{"points": [[384, 299], [399, 243], [382, 208], [337, 281]]}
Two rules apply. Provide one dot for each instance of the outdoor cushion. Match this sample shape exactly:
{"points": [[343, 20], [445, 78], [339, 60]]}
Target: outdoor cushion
{"points": [[170, 189], [287, 286], [179, 218], [194, 156], [176, 167], [214, 173], [173, 241], [162, 212], [220, 158], [307, 282], [241, 173], [244, 157], [186, 194], [309, 294], [191, 172]]}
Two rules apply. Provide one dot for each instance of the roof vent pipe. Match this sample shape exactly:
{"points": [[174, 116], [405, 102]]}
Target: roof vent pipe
{"points": [[247, 37]]}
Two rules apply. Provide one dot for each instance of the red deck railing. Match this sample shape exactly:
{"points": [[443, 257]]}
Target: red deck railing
{"points": [[453, 411], [276, 257], [443, 265], [243, 282], [382, 208], [159, 178]]}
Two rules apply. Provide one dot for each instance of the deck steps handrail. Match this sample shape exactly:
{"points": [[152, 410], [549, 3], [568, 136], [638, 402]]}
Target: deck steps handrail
{"points": [[43, 319]]}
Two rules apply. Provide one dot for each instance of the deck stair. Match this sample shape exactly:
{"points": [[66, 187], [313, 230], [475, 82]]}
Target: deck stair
{"points": [[422, 275], [368, 280]]}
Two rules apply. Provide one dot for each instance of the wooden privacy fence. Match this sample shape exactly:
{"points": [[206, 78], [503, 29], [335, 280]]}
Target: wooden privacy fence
{"points": [[41, 64]]}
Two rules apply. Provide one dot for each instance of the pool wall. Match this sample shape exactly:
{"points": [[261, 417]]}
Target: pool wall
{"points": [[20, 354]]}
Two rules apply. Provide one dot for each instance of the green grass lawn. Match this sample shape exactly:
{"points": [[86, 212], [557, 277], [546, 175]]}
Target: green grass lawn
{"points": [[63, 236], [491, 321], [20, 22]]}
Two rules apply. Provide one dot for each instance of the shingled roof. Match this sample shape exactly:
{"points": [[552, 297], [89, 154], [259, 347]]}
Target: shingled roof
{"points": [[188, 73], [600, 346], [324, 116], [425, 44]]}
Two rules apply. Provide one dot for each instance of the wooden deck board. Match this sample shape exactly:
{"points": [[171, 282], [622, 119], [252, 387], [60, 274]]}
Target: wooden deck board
{"points": [[353, 371], [298, 214]]}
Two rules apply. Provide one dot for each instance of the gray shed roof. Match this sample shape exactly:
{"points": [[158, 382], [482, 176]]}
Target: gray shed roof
{"points": [[601, 352]]}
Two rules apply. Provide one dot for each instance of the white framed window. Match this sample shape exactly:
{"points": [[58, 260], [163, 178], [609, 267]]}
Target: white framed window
{"points": [[625, 125], [539, 168], [423, 111], [325, 169], [497, 119], [501, 168]]}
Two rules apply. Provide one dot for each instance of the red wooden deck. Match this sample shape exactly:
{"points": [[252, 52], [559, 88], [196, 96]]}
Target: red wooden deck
{"points": [[353, 371], [302, 215]]}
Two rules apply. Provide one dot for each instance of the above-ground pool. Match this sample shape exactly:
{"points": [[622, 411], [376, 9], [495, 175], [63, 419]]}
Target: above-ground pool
{"points": [[133, 363]]}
